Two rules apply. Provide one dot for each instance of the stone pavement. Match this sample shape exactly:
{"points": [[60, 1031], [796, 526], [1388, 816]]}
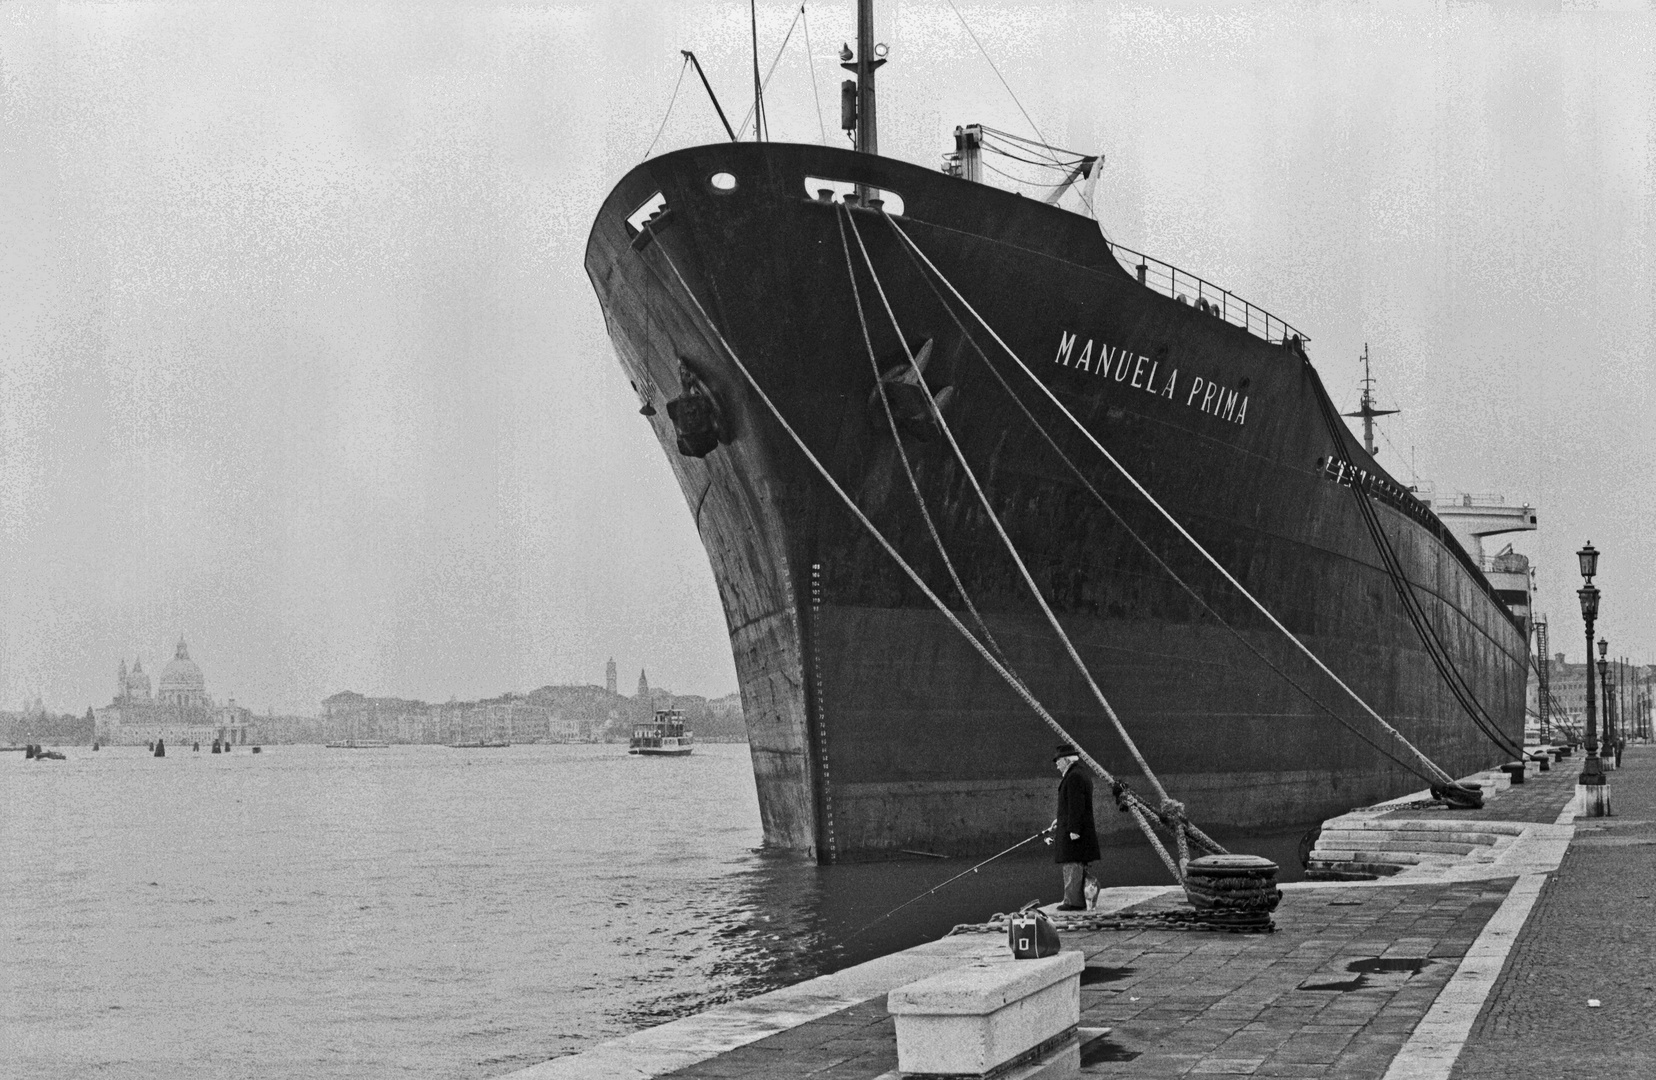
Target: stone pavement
{"points": [[1592, 935], [1395, 979], [1335, 992]]}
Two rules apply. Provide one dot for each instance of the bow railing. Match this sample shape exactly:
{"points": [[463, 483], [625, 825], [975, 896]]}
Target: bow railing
{"points": [[1204, 295]]}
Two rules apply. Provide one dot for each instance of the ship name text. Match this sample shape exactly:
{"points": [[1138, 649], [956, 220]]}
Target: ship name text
{"points": [[1141, 372]]}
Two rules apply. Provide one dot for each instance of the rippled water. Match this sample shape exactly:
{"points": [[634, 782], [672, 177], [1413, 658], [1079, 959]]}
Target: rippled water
{"points": [[416, 911]]}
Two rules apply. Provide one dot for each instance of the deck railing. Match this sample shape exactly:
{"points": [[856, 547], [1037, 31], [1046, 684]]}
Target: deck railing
{"points": [[1186, 287]]}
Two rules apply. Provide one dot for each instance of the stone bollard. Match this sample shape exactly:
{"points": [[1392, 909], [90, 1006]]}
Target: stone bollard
{"points": [[1233, 890]]}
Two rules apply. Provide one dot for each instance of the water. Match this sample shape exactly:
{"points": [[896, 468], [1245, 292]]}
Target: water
{"points": [[419, 911]]}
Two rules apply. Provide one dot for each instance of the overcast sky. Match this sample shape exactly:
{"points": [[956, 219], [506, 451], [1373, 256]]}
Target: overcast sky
{"points": [[298, 358]]}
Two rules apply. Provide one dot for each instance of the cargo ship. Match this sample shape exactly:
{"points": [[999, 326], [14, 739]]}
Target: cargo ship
{"points": [[770, 301]]}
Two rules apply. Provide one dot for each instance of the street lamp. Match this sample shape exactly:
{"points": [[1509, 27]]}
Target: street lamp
{"points": [[1608, 702], [1590, 785]]}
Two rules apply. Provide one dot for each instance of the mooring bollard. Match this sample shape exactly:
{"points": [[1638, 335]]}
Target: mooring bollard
{"points": [[1233, 890]]}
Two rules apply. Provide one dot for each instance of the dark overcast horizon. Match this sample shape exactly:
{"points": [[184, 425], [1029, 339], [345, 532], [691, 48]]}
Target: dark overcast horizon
{"points": [[298, 358]]}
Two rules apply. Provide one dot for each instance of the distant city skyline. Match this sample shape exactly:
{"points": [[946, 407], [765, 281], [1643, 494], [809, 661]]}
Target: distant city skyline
{"points": [[30, 700]]}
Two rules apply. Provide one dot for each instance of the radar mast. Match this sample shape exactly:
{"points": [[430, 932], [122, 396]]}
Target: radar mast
{"points": [[1366, 409]]}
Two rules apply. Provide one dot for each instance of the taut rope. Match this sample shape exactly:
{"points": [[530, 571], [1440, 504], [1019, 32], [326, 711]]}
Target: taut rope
{"points": [[1432, 766]]}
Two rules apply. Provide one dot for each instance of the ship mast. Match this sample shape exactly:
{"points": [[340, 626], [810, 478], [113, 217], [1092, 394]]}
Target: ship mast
{"points": [[857, 108], [1366, 409]]}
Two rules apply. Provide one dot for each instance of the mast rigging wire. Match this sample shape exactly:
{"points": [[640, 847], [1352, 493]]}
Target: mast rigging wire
{"points": [[766, 84], [1008, 86], [670, 102], [1431, 765], [758, 88], [810, 65], [1009, 176]]}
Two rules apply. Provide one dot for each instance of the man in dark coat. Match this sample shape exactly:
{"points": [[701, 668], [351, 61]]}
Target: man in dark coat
{"points": [[1074, 838]]}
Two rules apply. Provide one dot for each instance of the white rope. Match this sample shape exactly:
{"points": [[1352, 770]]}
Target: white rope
{"points": [[897, 441], [1000, 530], [1431, 765], [1135, 803]]}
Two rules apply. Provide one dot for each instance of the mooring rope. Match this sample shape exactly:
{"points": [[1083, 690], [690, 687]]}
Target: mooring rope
{"points": [[1436, 650], [1432, 766], [1006, 541], [1137, 807], [1081, 477], [902, 452]]}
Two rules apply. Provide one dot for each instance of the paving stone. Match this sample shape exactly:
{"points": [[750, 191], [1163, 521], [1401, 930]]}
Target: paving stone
{"points": [[1205, 1004], [1582, 940]]}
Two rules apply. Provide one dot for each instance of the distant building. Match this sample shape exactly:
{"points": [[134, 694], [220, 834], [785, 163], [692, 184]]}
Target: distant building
{"points": [[556, 714], [179, 710], [1568, 687]]}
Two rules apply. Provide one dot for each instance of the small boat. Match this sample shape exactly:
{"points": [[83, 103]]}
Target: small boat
{"points": [[481, 744], [353, 744], [662, 737], [49, 755]]}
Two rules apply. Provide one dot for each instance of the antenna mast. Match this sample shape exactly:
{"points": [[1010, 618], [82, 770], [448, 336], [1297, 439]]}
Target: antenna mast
{"points": [[1366, 409]]}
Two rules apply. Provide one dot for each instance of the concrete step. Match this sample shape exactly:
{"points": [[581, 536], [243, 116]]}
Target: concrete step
{"points": [[1409, 836], [1438, 847], [1353, 866]]}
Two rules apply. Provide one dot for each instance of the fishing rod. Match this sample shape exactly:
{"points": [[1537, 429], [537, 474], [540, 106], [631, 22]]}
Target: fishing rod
{"points": [[943, 884]]}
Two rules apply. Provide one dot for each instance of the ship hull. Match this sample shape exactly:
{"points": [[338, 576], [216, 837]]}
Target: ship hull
{"points": [[874, 725]]}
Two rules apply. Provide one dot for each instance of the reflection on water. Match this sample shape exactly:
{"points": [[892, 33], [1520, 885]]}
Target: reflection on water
{"points": [[421, 910]]}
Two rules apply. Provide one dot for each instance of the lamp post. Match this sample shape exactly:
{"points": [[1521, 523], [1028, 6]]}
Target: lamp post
{"points": [[1591, 787], [1607, 707]]}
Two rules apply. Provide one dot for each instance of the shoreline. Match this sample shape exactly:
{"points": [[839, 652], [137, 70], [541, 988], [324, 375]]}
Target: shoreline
{"points": [[1500, 882]]}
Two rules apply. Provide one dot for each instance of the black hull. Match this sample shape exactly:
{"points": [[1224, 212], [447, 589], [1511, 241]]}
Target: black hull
{"points": [[873, 725]]}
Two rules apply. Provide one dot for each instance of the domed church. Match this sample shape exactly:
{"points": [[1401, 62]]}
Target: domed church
{"points": [[180, 710]]}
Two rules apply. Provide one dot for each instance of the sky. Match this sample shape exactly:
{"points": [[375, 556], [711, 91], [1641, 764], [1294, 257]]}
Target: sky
{"points": [[298, 359]]}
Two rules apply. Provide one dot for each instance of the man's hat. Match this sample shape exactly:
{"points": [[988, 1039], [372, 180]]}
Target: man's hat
{"points": [[1065, 750]]}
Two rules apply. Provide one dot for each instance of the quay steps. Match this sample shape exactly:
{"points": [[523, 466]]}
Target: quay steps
{"points": [[1363, 845], [1383, 848]]}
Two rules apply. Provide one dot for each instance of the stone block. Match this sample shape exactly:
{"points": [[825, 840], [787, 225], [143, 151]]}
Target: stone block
{"points": [[970, 1020]]}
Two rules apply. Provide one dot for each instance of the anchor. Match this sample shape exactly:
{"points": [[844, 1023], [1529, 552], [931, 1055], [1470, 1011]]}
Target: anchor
{"points": [[697, 416], [903, 389]]}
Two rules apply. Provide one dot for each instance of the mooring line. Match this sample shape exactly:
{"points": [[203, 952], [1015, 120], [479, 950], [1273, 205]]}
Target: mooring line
{"points": [[1081, 478], [1435, 769], [1134, 803], [1006, 541]]}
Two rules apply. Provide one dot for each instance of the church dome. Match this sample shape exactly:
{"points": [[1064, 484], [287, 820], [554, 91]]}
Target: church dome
{"points": [[181, 673]]}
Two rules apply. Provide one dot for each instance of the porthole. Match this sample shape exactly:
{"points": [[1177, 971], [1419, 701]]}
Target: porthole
{"points": [[722, 181]]}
